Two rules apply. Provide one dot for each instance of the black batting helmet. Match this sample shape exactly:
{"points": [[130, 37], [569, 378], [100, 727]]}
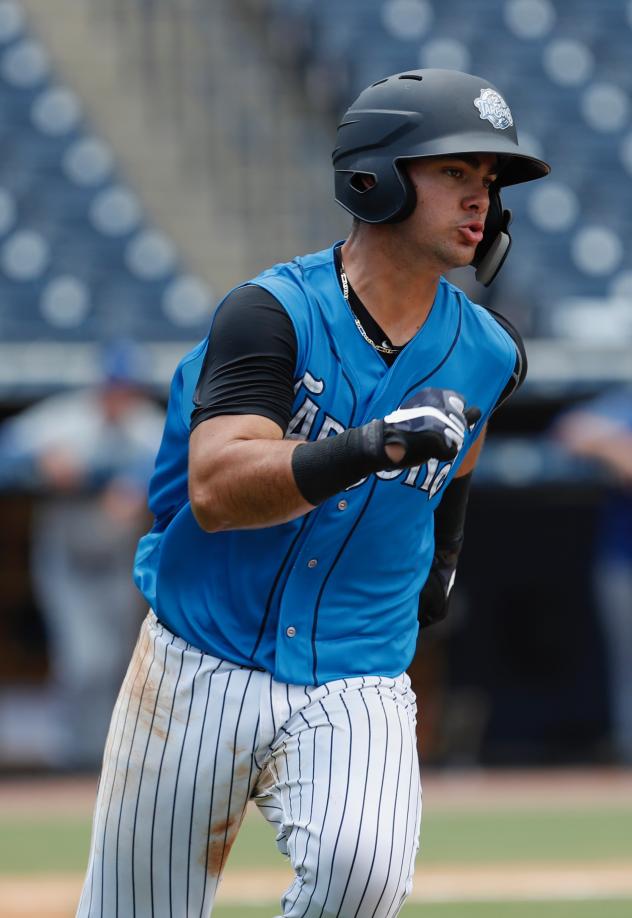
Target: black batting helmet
{"points": [[423, 113]]}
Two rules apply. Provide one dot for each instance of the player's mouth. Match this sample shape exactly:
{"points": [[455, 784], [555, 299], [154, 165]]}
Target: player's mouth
{"points": [[472, 232]]}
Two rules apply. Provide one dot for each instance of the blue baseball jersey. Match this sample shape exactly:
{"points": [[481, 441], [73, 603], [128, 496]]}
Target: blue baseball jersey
{"points": [[332, 594]]}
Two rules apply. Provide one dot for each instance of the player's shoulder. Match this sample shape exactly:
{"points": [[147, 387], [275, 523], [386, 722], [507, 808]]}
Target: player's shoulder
{"points": [[299, 274], [455, 295], [183, 384], [494, 323], [494, 333], [315, 261], [508, 327], [192, 360]]}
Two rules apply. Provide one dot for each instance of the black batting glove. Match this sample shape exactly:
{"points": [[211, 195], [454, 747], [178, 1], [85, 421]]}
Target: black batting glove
{"points": [[434, 599], [430, 425], [449, 523]]}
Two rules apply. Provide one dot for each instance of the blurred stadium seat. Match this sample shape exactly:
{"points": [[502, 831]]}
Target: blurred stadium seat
{"points": [[79, 259], [78, 254], [564, 65]]}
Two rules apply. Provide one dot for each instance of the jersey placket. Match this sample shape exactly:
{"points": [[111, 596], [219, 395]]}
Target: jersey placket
{"points": [[305, 585]]}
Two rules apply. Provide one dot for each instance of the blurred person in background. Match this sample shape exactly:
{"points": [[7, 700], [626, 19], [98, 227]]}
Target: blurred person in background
{"points": [[86, 455], [601, 430]]}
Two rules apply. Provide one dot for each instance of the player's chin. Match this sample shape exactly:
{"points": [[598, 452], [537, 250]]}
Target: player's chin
{"points": [[462, 256]]}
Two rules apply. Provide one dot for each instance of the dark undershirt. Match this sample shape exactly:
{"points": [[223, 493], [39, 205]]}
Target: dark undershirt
{"points": [[368, 323], [250, 360]]}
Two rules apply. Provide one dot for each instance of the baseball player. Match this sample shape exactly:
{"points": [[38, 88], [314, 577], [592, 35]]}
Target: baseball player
{"points": [[309, 498]]}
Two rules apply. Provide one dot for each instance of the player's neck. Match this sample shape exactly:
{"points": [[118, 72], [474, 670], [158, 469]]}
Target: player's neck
{"points": [[395, 287]]}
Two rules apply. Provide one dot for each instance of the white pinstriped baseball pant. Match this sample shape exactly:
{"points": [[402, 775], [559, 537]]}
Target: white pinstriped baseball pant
{"points": [[193, 738]]}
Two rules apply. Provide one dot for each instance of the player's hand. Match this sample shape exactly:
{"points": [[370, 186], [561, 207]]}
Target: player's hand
{"points": [[434, 599], [430, 425]]}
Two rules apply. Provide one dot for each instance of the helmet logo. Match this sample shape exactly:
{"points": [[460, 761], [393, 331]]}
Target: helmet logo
{"points": [[493, 107]]}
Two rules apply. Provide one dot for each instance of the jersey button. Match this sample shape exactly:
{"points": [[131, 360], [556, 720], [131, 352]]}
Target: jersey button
{"points": [[342, 504], [291, 631], [312, 562]]}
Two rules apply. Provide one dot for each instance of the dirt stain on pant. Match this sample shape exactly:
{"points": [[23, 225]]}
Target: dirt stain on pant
{"points": [[222, 836]]}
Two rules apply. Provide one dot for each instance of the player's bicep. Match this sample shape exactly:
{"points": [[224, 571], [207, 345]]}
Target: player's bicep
{"points": [[212, 447], [214, 435]]}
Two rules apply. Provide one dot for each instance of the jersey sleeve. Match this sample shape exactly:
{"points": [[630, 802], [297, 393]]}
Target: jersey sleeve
{"points": [[521, 366], [250, 360]]}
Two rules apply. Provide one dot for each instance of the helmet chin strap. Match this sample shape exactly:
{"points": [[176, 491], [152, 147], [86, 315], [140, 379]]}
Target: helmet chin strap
{"points": [[494, 247], [492, 261]]}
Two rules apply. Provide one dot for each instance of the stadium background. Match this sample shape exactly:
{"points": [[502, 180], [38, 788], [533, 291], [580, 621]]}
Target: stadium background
{"points": [[156, 152]]}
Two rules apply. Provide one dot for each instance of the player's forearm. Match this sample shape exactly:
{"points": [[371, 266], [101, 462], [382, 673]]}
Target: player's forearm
{"points": [[249, 484], [242, 476]]}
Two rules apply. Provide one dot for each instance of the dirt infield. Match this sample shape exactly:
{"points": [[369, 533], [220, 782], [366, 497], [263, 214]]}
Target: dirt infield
{"points": [[528, 788], [57, 896]]}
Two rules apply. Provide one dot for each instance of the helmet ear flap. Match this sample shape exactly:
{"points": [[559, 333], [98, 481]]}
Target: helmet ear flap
{"points": [[494, 247], [409, 199], [390, 199]]}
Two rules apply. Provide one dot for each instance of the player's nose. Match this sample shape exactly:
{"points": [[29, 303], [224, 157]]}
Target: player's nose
{"points": [[477, 201]]}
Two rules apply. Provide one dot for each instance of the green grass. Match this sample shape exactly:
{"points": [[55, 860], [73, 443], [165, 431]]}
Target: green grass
{"points": [[588, 909], [46, 845], [477, 837], [595, 834], [465, 837]]}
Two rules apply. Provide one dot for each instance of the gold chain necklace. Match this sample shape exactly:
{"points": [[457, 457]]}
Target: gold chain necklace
{"points": [[380, 348]]}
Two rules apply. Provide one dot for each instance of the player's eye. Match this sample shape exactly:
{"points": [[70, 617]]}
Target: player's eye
{"points": [[454, 171]]}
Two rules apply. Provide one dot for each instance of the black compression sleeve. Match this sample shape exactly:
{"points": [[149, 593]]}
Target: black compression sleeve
{"points": [[322, 468], [449, 523], [250, 360], [449, 518]]}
